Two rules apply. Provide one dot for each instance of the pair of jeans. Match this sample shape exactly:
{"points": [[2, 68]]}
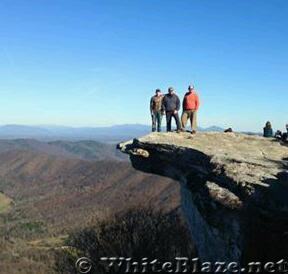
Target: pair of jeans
{"points": [[169, 115], [156, 121]]}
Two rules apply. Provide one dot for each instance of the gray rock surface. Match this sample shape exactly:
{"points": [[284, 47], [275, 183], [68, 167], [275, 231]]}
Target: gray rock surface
{"points": [[234, 190]]}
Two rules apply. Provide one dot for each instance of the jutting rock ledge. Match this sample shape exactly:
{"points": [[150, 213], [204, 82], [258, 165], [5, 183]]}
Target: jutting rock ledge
{"points": [[234, 190]]}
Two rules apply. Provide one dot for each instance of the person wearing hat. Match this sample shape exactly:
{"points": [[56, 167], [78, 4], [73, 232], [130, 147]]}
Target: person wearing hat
{"points": [[171, 105], [190, 107], [156, 110]]}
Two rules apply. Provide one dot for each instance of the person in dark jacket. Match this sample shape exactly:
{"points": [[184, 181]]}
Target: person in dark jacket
{"points": [[156, 110], [171, 106], [285, 135], [267, 130]]}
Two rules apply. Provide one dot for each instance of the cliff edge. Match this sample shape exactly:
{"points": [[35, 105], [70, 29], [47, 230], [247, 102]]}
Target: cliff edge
{"points": [[234, 190]]}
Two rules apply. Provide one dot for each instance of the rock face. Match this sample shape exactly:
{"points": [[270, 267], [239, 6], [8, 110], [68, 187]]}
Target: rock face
{"points": [[234, 190]]}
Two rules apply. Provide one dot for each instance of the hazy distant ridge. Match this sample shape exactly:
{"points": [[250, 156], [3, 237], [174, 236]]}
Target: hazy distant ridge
{"points": [[110, 134]]}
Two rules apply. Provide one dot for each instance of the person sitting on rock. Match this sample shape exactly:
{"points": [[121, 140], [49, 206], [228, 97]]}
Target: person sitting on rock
{"points": [[268, 131], [278, 135], [156, 110], [285, 135]]}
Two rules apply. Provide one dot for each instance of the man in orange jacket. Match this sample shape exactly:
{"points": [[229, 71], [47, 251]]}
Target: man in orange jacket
{"points": [[190, 106]]}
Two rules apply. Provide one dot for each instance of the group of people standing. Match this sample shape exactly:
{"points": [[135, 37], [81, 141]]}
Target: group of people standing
{"points": [[169, 105]]}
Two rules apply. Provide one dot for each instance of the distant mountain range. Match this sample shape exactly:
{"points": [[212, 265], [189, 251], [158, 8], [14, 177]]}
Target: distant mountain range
{"points": [[86, 150], [105, 134]]}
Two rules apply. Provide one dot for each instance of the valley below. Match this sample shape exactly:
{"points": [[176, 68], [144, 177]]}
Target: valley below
{"points": [[50, 189]]}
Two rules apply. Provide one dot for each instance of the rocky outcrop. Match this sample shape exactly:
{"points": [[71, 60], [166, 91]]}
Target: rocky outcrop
{"points": [[234, 190]]}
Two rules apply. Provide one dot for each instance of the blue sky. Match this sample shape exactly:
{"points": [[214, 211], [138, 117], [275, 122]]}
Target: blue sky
{"points": [[89, 63]]}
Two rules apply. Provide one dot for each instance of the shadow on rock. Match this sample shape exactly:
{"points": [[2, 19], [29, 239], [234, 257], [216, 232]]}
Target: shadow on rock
{"points": [[267, 234]]}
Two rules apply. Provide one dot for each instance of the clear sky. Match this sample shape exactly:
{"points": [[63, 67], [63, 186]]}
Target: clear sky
{"points": [[89, 63]]}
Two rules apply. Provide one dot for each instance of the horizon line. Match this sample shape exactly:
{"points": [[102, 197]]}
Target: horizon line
{"points": [[106, 126]]}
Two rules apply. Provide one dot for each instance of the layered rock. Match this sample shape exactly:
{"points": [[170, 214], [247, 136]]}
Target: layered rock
{"points": [[234, 190]]}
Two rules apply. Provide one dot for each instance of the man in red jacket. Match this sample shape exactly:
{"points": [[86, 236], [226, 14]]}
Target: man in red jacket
{"points": [[190, 106]]}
